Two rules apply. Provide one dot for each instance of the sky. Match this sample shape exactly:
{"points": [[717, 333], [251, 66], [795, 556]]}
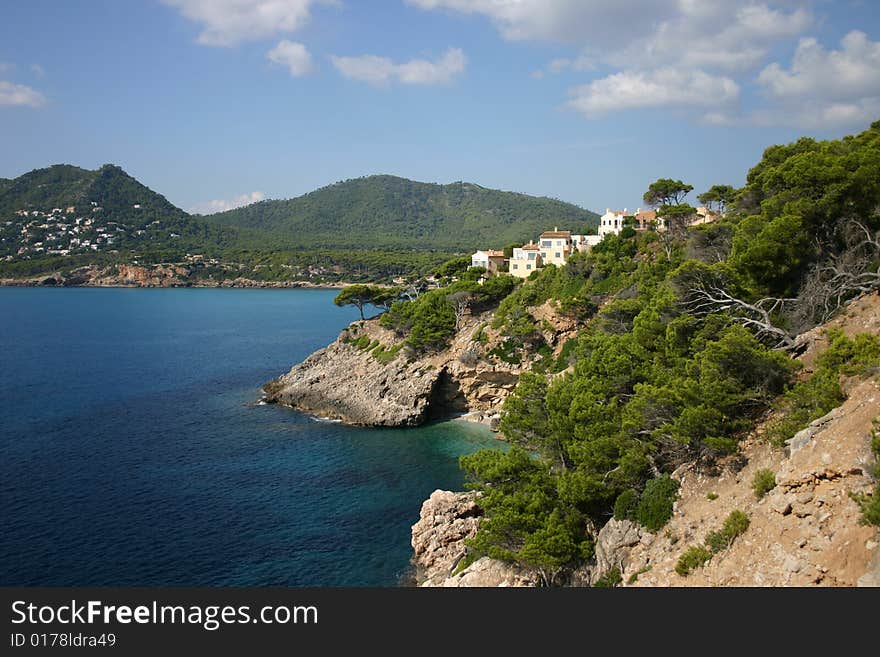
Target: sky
{"points": [[219, 103]]}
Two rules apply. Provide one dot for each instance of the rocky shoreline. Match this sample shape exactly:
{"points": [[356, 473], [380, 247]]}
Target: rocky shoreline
{"points": [[369, 377], [155, 276]]}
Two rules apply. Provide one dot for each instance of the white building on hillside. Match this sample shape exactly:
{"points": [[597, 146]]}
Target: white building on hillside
{"points": [[525, 260], [555, 246], [612, 222], [491, 261], [584, 243]]}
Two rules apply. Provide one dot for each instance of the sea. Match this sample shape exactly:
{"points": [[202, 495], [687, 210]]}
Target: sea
{"points": [[136, 451]]}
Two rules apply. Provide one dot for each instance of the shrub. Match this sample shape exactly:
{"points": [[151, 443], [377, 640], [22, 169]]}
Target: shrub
{"points": [[763, 482], [508, 352], [479, 334], [803, 403], [625, 505], [735, 525], [386, 355], [362, 342], [566, 355], [870, 506], [635, 576], [655, 504], [611, 579], [693, 558], [813, 398], [712, 496], [870, 503]]}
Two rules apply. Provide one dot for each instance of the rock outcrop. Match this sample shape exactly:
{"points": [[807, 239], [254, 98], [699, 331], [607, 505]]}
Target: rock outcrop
{"points": [[445, 521], [438, 541], [613, 546], [347, 381]]}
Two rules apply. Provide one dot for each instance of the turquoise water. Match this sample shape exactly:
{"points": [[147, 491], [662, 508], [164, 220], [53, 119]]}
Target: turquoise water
{"points": [[134, 452]]}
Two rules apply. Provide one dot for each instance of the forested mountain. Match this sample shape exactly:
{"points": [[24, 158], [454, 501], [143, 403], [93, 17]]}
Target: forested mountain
{"points": [[66, 211], [63, 185], [388, 212], [375, 228]]}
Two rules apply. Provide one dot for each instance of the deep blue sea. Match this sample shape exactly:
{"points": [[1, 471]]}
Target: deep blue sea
{"points": [[134, 451]]}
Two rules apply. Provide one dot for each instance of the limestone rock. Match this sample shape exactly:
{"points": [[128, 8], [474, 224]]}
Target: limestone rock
{"points": [[613, 546], [345, 383], [486, 572], [445, 521]]}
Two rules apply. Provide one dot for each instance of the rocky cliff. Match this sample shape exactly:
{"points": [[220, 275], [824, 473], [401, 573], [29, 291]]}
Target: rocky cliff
{"points": [[805, 532], [369, 377], [446, 520]]}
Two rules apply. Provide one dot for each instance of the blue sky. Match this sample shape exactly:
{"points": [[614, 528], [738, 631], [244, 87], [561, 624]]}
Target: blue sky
{"points": [[215, 103]]}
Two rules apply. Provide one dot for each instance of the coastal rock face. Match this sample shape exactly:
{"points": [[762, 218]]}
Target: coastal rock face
{"points": [[486, 572], [613, 546], [446, 520], [346, 383]]}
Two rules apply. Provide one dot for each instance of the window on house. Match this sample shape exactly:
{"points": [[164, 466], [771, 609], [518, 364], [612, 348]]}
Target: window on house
{"points": [[516, 266], [528, 266], [531, 256], [558, 255]]}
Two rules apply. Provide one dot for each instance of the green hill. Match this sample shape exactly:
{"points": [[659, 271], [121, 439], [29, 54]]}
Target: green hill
{"points": [[386, 212], [63, 185], [369, 229], [67, 211]]}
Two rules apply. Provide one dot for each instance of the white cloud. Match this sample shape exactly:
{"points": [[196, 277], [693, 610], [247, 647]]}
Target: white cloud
{"points": [[662, 88], [714, 34], [12, 94], [5, 66], [808, 115], [821, 88], [853, 72], [663, 54], [38, 70], [570, 21], [220, 205], [295, 56], [382, 71], [704, 34], [229, 22]]}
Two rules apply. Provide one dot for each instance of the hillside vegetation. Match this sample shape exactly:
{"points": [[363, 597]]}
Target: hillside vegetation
{"points": [[386, 212], [686, 344], [369, 229]]}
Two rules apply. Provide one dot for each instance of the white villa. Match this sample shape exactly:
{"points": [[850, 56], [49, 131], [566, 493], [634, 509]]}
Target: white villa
{"points": [[612, 222], [525, 260], [491, 261]]}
